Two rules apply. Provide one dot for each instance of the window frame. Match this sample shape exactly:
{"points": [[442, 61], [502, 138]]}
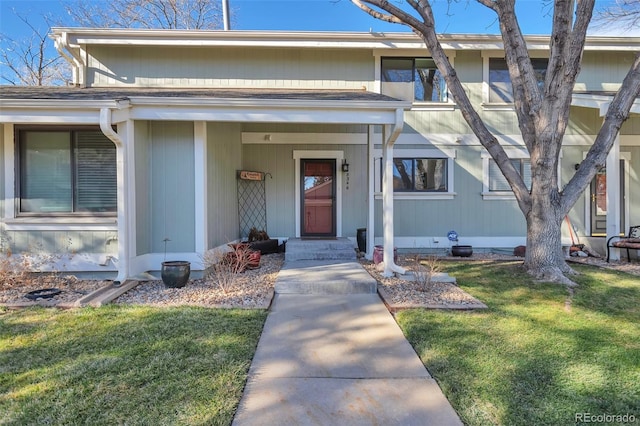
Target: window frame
{"points": [[486, 86], [514, 154], [379, 54], [434, 153], [72, 131]]}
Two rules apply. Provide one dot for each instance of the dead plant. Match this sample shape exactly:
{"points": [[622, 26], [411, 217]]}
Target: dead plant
{"points": [[222, 267], [424, 271]]}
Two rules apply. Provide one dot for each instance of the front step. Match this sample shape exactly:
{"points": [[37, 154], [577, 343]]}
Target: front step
{"points": [[335, 249], [324, 277]]}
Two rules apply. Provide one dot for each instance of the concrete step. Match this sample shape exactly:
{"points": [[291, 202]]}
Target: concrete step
{"points": [[334, 249], [349, 254], [324, 277]]}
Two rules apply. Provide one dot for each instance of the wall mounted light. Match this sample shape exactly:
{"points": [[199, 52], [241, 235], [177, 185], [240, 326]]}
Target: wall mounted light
{"points": [[577, 166], [345, 166]]}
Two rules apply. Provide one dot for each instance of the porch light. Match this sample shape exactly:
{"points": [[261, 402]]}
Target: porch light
{"points": [[345, 166]]}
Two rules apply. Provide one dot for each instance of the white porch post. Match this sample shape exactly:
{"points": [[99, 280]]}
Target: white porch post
{"points": [[370, 193], [389, 137], [613, 195], [125, 213], [200, 187]]}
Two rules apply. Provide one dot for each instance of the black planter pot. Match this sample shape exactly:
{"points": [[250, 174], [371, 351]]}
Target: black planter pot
{"points": [[265, 247], [175, 273], [461, 251], [361, 238]]}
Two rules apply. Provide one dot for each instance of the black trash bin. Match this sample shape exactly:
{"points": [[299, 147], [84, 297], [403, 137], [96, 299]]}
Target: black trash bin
{"points": [[361, 237]]}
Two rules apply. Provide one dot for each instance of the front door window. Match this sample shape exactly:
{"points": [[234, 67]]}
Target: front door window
{"points": [[599, 201], [318, 198]]}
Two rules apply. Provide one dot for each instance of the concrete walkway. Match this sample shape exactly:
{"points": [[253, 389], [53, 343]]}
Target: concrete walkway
{"points": [[338, 359]]}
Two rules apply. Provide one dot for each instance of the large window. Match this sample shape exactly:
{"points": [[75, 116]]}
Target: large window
{"points": [[413, 79], [500, 90], [66, 171], [420, 174], [497, 181]]}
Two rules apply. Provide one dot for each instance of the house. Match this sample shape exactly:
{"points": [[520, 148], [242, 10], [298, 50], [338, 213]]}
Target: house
{"points": [[140, 155]]}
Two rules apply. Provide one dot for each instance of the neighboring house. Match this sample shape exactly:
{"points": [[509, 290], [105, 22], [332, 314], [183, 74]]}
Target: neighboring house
{"points": [[147, 143]]}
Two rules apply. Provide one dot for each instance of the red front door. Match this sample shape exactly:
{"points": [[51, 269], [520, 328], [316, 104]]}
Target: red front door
{"points": [[318, 198]]}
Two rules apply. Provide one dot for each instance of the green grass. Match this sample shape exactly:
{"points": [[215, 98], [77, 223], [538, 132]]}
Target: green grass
{"points": [[537, 356], [125, 365]]}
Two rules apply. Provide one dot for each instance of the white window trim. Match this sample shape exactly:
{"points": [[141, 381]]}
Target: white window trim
{"points": [[449, 105], [514, 153], [486, 55], [449, 154]]}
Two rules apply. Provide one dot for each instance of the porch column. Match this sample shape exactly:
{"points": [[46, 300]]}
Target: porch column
{"points": [[370, 193], [390, 135], [200, 187], [125, 189], [613, 194]]}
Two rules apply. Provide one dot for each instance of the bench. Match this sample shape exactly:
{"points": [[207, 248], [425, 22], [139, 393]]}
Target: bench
{"points": [[629, 242]]}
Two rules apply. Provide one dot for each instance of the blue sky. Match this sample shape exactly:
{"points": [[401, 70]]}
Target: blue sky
{"points": [[317, 15], [464, 16]]}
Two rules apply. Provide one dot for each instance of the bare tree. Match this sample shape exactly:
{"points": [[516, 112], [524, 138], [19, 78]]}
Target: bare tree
{"points": [[163, 14], [542, 113], [624, 15], [27, 61]]}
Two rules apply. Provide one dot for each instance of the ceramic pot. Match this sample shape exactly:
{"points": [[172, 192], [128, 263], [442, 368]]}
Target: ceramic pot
{"points": [[175, 273], [461, 251]]}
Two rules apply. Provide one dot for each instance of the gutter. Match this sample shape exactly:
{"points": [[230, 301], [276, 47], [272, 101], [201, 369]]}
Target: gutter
{"points": [[390, 266], [61, 43], [122, 191]]}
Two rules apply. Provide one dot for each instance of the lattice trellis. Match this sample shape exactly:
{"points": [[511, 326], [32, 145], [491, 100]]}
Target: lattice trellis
{"points": [[252, 202]]}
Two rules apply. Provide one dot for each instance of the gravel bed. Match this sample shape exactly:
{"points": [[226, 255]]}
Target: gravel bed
{"points": [[251, 289], [254, 288], [400, 293], [71, 289]]}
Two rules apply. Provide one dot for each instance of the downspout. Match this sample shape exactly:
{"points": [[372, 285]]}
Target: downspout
{"points": [[61, 44], [123, 220], [390, 266]]}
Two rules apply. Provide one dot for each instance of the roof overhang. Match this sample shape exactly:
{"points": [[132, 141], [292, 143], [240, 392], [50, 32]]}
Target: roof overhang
{"points": [[333, 107], [600, 101], [307, 39]]}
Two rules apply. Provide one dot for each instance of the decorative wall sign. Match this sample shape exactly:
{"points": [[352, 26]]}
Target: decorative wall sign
{"points": [[248, 175]]}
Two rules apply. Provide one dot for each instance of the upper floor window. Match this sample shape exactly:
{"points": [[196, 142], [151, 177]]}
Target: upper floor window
{"points": [[500, 90], [420, 174], [66, 171], [413, 79]]}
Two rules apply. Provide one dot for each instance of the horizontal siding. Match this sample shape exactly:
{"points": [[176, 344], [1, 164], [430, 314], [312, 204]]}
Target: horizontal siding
{"points": [[467, 213], [227, 67], [63, 242]]}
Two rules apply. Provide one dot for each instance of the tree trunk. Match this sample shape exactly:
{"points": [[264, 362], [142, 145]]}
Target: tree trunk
{"points": [[544, 258]]}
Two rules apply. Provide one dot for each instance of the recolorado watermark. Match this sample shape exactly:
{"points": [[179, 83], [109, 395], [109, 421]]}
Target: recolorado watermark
{"points": [[605, 418]]}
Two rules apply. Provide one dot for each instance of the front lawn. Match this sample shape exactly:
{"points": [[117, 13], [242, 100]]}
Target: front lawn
{"points": [[537, 356], [125, 365]]}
